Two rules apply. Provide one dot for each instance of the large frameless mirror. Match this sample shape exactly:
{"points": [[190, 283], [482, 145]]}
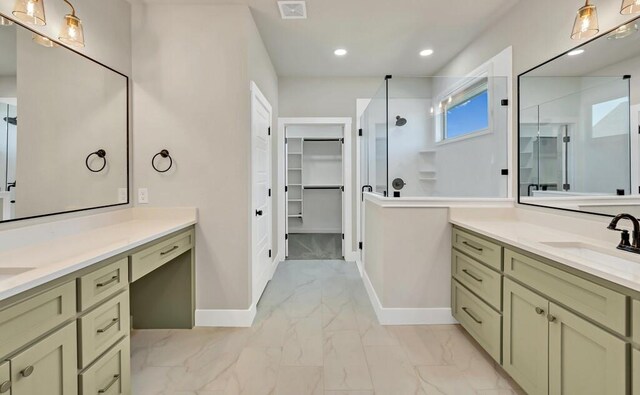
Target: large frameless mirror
{"points": [[63, 129], [578, 127]]}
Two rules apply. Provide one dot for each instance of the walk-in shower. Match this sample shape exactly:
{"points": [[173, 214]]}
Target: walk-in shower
{"points": [[441, 136]]}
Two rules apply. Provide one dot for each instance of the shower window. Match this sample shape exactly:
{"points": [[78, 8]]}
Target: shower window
{"points": [[466, 111]]}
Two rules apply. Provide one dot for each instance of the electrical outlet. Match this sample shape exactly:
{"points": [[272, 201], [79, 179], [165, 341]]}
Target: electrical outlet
{"points": [[143, 196], [122, 195]]}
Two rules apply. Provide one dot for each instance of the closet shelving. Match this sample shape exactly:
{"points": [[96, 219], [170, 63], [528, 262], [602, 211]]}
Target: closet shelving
{"points": [[294, 178]]}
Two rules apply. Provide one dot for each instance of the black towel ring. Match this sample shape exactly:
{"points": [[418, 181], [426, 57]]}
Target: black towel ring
{"points": [[165, 154], [100, 154]]}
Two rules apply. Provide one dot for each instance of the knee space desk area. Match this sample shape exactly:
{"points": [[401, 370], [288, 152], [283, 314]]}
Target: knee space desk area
{"points": [[70, 292]]}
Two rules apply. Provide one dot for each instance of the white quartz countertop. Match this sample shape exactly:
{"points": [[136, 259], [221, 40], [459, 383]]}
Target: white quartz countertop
{"points": [[65, 247], [617, 266]]}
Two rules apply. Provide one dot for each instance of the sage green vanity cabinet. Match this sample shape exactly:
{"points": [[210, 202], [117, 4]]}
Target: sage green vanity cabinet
{"points": [[100, 284], [47, 367], [525, 354], [111, 374], [636, 322], [562, 332], [5, 378], [635, 365], [584, 359]]}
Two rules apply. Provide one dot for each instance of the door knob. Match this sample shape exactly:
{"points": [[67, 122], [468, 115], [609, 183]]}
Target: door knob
{"points": [[539, 310], [5, 387], [551, 318], [27, 371], [258, 213]]}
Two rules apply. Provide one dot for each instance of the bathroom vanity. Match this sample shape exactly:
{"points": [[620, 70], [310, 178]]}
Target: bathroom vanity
{"points": [[68, 303], [560, 316]]}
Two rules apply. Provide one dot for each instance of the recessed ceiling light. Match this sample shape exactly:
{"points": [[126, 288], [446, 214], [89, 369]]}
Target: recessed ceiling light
{"points": [[426, 52], [340, 52], [576, 52]]}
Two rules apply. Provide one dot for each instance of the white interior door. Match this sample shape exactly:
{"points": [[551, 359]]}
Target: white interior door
{"points": [[286, 195], [261, 200]]}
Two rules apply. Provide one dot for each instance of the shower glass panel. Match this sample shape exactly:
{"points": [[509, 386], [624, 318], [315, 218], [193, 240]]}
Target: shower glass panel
{"points": [[438, 137], [574, 141], [374, 143]]}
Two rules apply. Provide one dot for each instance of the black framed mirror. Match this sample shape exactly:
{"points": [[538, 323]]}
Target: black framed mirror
{"points": [[64, 129], [578, 145]]}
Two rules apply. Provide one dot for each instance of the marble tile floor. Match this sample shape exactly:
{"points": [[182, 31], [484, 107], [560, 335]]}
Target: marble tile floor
{"points": [[313, 246], [315, 333]]}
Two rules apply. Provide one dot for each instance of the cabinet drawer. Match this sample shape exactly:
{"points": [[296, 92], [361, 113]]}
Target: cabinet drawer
{"points": [[25, 321], [635, 368], [103, 327], [48, 366], [485, 282], [601, 304], [636, 321], [480, 320], [145, 261], [5, 378], [111, 374], [99, 285], [483, 250]]}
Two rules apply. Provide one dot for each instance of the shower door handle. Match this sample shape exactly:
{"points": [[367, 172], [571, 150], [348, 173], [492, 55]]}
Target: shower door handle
{"points": [[369, 187], [258, 213]]}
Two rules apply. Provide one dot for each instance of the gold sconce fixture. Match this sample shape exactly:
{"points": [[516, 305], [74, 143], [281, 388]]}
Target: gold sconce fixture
{"points": [[72, 33], [630, 7], [44, 41], [30, 11], [586, 23]]}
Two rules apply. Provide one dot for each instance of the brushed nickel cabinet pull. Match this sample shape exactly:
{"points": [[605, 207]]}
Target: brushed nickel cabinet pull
{"points": [[551, 318], [539, 311], [472, 246], [109, 281], [114, 380], [109, 325], [470, 314], [5, 387], [468, 273], [26, 372], [169, 250]]}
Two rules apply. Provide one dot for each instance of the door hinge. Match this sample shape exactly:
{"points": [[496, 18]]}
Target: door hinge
{"points": [[286, 188], [269, 131], [342, 141], [504, 102], [566, 187], [286, 140], [504, 172], [359, 132], [566, 139], [342, 188], [269, 253], [343, 236], [360, 245], [286, 236], [269, 192]]}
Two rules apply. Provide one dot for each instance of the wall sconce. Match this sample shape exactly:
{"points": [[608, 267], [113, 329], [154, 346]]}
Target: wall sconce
{"points": [[630, 7], [30, 11], [586, 23], [72, 33], [5, 21]]}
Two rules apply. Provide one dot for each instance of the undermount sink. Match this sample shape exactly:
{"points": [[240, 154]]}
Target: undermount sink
{"points": [[7, 272], [596, 254]]}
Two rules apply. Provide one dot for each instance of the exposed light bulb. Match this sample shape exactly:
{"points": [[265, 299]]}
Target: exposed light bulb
{"points": [[585, 25], [31, 8]]}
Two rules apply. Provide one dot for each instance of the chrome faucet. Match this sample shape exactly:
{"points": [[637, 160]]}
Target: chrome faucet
{"points": [[634, 245]]}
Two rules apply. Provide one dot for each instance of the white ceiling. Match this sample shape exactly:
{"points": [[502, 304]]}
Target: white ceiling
{"points": [[382, 36]]}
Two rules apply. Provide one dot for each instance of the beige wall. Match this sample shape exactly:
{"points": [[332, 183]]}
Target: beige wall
{"points": [[329, 97], [192, 67], [407, 252]]}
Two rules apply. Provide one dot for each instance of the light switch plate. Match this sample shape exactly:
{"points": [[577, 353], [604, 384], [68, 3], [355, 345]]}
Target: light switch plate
{"points": [[143, 196], [122, 195]]}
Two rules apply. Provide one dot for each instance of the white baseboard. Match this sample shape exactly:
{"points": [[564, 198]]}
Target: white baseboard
{"points": [[352, 256], [226, 318], [406, 316], [316, 230]]}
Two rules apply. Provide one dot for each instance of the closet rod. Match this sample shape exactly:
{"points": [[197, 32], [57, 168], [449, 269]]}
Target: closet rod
{"points": [[337, 139], [327, 187]]}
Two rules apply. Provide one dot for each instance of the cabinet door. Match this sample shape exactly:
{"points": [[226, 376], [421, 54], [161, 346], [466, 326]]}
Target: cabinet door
{"points": [[525, 338], [635, 368], [5, 378], [49, 366], [584, 359]]}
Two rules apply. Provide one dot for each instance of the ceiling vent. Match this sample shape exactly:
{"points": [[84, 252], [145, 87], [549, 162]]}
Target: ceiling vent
{"points": [[293, 9]]}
